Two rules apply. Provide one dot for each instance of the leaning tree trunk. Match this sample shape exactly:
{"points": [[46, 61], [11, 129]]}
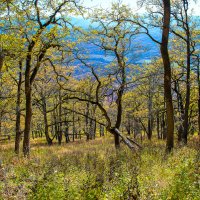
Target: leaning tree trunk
{"points": [[167, 76], [129, 142], [18, 112]]}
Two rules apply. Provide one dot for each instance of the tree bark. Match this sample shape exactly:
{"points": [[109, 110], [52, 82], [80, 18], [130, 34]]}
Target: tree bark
{"points": [[60, 119], [28, 106], [150, 116], [158, 125], [163, 126], [187, 101], [26, 142], [187, 39], [119, 100], [46, 128], [180, 109], [198, 81], [150, 126], [129, 142], [1, 60], [0, 123], [18, 111], [167, 76]]}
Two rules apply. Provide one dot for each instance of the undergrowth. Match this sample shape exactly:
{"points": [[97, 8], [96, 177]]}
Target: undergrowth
{"points": [[94, 170]]}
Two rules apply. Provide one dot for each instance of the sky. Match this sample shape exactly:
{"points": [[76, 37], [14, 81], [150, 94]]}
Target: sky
{"points": [[107, 3], [133, 4]]}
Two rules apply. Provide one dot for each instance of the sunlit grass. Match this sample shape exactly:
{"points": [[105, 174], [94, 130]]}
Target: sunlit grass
{"points": [[95, 170]]}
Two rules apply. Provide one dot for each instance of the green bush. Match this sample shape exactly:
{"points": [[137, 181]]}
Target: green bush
{"points": [[95, 171], [186, 182], [50, 188]]}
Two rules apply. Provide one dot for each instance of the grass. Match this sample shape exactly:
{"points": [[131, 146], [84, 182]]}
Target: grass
{"points": [[94, 170]]}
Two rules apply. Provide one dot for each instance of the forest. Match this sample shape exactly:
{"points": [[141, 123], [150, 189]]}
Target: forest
{"points": [[99, 103]]}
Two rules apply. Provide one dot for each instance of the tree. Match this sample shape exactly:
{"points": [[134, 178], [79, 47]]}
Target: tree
{"points": [[167, 75], [163, 22], [183, 31], [18, 110], [112, 35], [40, 28]]}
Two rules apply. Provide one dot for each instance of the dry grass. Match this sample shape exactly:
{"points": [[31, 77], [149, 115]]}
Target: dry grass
{"points": [[94, 170]]}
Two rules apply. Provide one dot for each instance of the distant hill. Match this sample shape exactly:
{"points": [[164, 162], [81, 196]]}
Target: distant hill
{"points": [[144, 49]]}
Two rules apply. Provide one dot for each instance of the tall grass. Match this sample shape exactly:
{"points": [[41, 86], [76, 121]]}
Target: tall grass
{"points": [[95, 170]]}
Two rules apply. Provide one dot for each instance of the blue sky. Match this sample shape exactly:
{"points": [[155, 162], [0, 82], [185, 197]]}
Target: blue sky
{"points": [[133, 4]]}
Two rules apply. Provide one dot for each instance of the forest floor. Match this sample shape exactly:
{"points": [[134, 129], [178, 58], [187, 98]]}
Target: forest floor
{"points": [[94, 170]]}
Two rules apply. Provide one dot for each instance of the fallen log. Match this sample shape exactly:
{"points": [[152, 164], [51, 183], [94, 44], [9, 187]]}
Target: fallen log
{"points": [[129, 142]]}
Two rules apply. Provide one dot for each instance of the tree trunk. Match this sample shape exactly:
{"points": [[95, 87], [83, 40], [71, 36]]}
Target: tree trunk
{"points": [[198, 81], [119, 104], [180, 109], [187, 101], [60, 118], [117, 141], [150, 106], [28, 106], [0, 123], [129, 142], [162, 124], [26, 142], [46, 129], [73, 128], [149, 135], [18, 112], [128, 129], [67, 140], [87, 122], [167, 76], [101, 129], [1, 60], [186, 28], [158, 125]]}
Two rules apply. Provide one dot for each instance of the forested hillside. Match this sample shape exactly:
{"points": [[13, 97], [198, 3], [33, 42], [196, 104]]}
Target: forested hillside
{"points": [[99, 103]]}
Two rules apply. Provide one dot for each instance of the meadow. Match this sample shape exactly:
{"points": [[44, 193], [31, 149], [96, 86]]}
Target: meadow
{"points": [[96, 170]]}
